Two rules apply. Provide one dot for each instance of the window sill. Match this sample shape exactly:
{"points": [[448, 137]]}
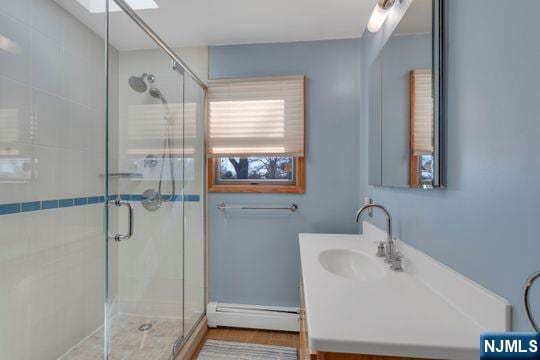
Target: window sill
{"points": [[260, 189]]}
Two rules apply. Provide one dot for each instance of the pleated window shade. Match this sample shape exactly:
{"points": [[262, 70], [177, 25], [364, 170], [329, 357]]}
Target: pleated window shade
{"points": [[422, 111], [256, 117]]}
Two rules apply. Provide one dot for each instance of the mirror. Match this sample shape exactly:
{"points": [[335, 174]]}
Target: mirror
{"points": [[405, 83]]}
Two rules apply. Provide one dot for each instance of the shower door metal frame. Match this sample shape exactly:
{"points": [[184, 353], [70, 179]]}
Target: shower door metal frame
{"points": [[150, 32], [182, 68]]}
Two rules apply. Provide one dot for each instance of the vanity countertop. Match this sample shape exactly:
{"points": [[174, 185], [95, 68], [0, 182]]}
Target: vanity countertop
{"points": [[392, 313]]}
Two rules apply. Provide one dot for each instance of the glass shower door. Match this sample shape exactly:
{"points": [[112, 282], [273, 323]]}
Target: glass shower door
{"points": [[145, 212]]}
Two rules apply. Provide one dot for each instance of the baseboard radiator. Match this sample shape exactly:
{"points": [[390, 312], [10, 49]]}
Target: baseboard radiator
{"points": [[253, 316]]}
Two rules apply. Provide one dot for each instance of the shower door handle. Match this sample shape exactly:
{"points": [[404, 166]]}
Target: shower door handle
{"points": [[119, 203]]}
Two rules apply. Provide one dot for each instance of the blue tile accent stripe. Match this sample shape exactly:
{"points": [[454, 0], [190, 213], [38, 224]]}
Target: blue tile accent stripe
{"points": [[31, 206], [93, 200], [80, 201], [49, 204], [10, 209], [14, 208], [65, 203]]}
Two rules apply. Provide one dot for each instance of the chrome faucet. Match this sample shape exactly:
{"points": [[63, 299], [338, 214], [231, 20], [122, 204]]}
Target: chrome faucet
{"points": [[385, 249]]}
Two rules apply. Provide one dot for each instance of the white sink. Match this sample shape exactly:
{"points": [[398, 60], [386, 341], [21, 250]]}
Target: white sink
{"points": [[350, 264]]}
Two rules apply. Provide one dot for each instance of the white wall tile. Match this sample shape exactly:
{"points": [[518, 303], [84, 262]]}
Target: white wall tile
{"points": [[17, 190], [13, 238], [46, 63], [96, 85], [76, 78], [76, 37], [47, 172], [44, 240], [72, 222], [15, 111], [80, 175], [48, 18], [95, 268], [48, 111], [95, 169], [14, 305], [52, 263], [68, 171], [64, 125], [46, 309], [78, 119], [95, 287], [19, 9], [15, 61]]}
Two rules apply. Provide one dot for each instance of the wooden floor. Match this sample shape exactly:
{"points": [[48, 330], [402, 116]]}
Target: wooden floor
{"points": [[263, 337]]}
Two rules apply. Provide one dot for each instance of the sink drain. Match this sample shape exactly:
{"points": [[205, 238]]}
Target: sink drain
{"points": [[145, 327]]}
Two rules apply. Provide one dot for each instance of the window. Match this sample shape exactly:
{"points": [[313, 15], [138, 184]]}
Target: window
{"points": [[255, 170], [268, 174], [421, 136], [256, 135]]}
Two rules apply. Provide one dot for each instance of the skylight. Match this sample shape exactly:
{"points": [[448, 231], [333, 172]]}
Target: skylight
{"points": [[98, 6]]}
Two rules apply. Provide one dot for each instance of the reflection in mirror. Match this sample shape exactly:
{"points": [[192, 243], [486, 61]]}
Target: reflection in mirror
{"points": [[421, 147], [404, 129]]}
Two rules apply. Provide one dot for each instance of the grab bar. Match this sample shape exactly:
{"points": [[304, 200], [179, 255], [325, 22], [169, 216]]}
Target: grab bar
{"points": [[528, 284], [119, 203], [223, 207]]}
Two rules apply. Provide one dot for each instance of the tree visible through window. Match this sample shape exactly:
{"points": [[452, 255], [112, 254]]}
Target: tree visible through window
{"points": [[256, 169]]}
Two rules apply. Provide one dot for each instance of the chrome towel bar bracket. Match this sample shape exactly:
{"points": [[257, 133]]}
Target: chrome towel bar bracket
{"points": [[223, 207]]}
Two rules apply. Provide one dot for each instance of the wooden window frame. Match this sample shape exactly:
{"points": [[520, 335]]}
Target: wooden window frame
{"points": [[298, 187], [414, 162]]}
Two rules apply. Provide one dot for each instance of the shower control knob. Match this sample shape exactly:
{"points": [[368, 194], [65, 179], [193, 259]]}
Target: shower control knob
{"points": [[381, 252], [150, 161]]}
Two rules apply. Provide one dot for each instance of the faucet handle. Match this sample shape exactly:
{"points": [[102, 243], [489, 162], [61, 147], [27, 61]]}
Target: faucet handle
{"points": [[381, 250], [396, 264]]}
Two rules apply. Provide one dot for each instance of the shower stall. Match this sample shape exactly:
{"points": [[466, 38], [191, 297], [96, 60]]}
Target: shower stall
{"points": [[102, 182]]}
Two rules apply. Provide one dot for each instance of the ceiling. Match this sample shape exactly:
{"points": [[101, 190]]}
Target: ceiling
{"points": [[223, 22]]}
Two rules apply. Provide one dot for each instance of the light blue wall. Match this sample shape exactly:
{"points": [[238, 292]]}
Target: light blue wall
{"points": [[484, 224], [253, 258]]}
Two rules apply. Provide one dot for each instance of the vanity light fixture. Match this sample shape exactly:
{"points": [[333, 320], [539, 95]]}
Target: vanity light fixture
{"points": [[380, 13]]}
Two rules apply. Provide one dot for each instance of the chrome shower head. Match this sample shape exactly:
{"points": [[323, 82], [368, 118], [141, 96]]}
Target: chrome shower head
{"points": [[155, 93], [138, 83]]}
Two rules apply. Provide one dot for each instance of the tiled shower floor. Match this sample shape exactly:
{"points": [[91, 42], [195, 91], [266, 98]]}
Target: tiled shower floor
{"points": [[128, 343]]}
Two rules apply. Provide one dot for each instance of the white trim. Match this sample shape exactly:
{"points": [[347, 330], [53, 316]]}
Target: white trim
{"points": [[253, 316]]}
